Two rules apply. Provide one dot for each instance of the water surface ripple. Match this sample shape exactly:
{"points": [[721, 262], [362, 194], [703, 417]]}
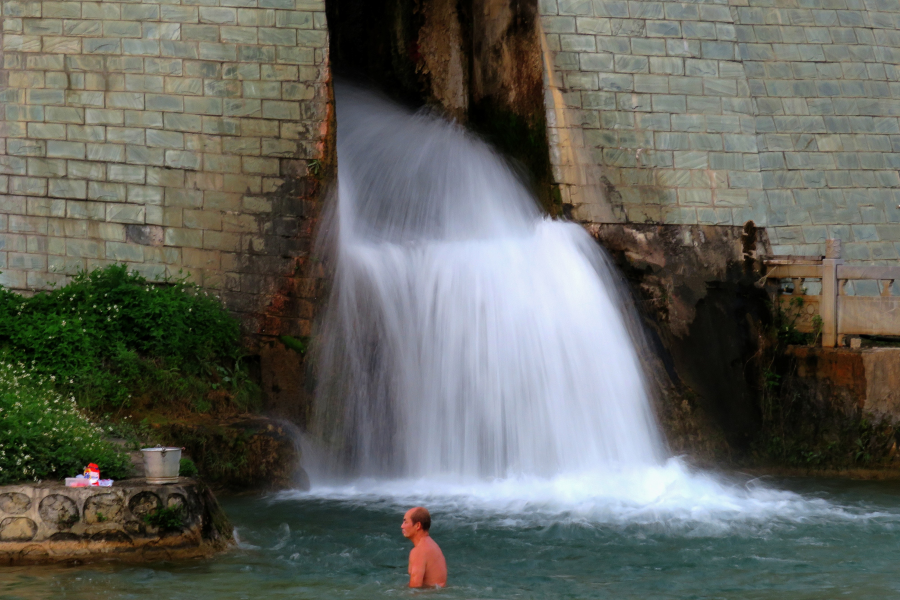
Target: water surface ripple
{"points": [[739, 539]]}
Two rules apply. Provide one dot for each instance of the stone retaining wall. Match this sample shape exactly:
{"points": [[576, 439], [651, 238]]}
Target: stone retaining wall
{"points": [[721, 112], [171, 136], [867, 378], [53, 523]]}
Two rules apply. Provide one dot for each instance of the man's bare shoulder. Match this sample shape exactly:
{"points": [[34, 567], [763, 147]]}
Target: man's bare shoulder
{"points": [[431, 551], [427, 549], [419, 553]]}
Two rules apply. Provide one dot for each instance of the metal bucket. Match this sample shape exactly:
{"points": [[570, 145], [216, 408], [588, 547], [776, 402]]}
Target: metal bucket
{"points": [[161, 464]]}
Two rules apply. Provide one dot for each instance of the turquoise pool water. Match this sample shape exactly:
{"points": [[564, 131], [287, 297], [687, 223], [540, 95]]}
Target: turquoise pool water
{"points": [[814, 538]]}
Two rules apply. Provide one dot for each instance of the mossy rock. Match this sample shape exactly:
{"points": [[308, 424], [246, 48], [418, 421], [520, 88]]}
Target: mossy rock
{"points": [[238, 454]]}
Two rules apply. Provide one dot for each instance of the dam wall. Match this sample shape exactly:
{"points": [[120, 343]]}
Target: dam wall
{"points": [[194, 137], [175, 137], [780, 112], [197, 138]]}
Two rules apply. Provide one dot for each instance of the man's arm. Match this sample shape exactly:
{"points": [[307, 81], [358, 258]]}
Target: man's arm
{"points": [[416, 568]]}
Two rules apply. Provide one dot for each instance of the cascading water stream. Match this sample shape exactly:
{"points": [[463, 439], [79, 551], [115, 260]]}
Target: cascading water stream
{"points": [[467, 335], [478, 356]]}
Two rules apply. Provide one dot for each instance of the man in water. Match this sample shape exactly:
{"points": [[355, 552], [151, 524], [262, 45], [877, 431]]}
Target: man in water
{"points": [[427, 567]]}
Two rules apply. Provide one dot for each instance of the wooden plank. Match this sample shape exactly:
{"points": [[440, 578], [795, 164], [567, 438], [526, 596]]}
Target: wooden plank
{"points": [[828, 308], [791, 271], [854, 272], [869, 315], [791, 259]]}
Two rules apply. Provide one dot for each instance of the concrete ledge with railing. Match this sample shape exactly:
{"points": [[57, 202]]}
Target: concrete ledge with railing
{"points": [[841, 315]]}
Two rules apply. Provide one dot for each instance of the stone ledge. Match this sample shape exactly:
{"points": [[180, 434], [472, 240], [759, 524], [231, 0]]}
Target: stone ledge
{"points": [[49, 522]]}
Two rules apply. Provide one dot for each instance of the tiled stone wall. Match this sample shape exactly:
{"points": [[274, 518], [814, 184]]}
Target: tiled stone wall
{"points": [[827, 93], [783, 112], [166, 135]]}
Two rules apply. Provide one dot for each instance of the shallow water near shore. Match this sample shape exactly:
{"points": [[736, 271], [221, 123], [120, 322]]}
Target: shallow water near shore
{"points": [[794, 538]]}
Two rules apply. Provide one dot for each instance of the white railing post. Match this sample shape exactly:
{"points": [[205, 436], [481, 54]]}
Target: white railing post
{"points": [[829, 299]]}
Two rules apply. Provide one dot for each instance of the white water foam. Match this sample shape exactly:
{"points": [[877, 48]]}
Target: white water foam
{"points": [[669, 495]]}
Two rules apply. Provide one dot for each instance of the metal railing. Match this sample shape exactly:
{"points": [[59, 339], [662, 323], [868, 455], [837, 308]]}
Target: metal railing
{"points": [[841, 315]]}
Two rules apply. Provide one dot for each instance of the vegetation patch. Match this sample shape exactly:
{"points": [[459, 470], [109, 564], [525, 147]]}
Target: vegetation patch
{"points": [[111, 339], [234, 453], [809, 423], [45, 435], [129, 354], [166, 519], [785, 320], [187, 468]]}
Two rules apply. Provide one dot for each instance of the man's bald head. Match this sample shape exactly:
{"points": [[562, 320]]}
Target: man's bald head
{"points": [[420, 515]]}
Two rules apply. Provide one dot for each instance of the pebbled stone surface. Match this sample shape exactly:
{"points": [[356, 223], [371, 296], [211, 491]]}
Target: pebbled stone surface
{"points": [[103, 508], [143, 503], [17, 529], [14, 503], [58, 511]]}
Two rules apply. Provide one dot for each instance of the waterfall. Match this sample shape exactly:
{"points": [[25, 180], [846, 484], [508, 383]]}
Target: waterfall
{"points": [[467, 335]]}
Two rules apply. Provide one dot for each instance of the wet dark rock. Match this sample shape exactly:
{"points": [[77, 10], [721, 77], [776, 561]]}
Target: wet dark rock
{"points": [[694, 290], [111, 537]]}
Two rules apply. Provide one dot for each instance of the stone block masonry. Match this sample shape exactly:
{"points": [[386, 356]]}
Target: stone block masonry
{"points": [[722, 112], [171, 136]]}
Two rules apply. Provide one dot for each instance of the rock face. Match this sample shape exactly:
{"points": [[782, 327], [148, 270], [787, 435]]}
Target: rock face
{"points": [[240, 453], [51, 523], [832, 408], [694, 287], [867, 379]]}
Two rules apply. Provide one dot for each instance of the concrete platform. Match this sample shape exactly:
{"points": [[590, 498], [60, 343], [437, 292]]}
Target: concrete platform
{"points": [[49, 522]]}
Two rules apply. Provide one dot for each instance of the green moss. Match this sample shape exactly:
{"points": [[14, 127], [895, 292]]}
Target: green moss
{"points": [[807, 423], [166, 519], [298, 346]]}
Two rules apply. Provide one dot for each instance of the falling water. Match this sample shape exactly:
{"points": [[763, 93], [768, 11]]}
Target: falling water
{"points": [[479, 358], [467, 336]]}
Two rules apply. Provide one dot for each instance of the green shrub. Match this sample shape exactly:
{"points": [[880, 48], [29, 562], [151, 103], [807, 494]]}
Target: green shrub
{"points": [[110, 335], [44, 435], [165, 518], [187, 468], [785, 318]]}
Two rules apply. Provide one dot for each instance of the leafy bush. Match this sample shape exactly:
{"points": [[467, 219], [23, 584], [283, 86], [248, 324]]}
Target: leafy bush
{"points": [[110, 335], [165, 518], [785, 322], [187, 468], [44, 435]]}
